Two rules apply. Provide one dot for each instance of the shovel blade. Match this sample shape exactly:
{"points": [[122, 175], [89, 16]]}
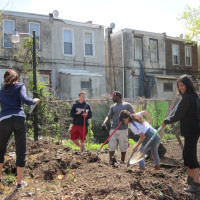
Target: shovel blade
{"points": [[98, 150], [136, 157]]}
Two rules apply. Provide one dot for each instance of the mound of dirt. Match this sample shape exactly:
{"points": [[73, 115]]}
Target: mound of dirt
{"points": [[88, 176]]}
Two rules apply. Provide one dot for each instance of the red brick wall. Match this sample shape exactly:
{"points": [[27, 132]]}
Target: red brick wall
{"points": [[181, 68]]}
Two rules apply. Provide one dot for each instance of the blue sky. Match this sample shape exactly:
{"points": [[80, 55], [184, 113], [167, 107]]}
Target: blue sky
{"points": [[148, 15]]}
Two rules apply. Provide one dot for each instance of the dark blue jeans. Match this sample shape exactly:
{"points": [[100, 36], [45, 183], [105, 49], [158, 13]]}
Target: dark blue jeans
{"points": [[14, 124]]}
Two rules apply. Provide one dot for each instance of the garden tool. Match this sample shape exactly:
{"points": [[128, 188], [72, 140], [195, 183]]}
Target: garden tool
{"points": [[27, 117], [84, 134], [108, 138], [138, 155]]}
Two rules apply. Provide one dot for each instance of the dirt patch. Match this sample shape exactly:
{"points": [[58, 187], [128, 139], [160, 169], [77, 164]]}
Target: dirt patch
{"points": [[88, 176]]}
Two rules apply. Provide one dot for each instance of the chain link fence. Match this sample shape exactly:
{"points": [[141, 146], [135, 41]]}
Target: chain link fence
{"points": [[57, 121]]}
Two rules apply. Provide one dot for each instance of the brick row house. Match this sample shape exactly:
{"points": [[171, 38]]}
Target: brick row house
{"points": [[71, 54], [147, 64]]}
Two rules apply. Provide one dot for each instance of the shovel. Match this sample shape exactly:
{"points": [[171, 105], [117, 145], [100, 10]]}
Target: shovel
{"points": [[138, 155], [27, 117], [108, 138]]}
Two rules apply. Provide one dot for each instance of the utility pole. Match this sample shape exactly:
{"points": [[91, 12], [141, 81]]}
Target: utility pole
{"points": [[35, 122]]}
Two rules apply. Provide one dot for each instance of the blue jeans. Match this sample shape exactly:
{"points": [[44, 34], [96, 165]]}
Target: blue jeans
{"points": [[154, 154], [14, 124]]}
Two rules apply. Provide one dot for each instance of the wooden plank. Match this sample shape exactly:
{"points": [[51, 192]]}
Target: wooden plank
{"points": [[177, 136], [173, 126], [169, 110]]}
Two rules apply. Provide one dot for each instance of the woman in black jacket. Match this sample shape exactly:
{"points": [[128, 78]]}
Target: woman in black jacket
{"points": [[187, 114]]}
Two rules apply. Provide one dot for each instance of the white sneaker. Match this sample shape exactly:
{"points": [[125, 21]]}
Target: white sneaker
{"points": [[21, 185]]}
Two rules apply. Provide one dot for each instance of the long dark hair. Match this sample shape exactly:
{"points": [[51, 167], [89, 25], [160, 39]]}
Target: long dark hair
{"points": [[10, 78], [124, 114], [189, 84]]}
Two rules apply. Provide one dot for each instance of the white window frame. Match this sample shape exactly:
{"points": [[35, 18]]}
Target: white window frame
{"points": [[93, 43], [36, 33], [73, 49], [178, 57], [190, 52], [8, 33], [138, 50], [136, 87], [152, 51]]}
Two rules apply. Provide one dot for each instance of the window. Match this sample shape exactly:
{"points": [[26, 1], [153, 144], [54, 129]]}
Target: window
{"points": [[44, 79], [138, 48], [175, 54], [188, 56], [168, 87], [35, 27], [136, 87], [68, 42], [8, 29], [86, 84], [154, 50], [89, 44]]}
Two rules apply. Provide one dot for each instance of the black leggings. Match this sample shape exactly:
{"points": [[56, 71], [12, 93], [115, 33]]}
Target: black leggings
{"points": [[190, 152], [14, 124]]}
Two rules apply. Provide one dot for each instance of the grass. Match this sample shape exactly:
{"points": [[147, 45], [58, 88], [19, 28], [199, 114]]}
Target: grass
{"points": [[93, 146], [70, 144], [9, 178], [169, 136]]}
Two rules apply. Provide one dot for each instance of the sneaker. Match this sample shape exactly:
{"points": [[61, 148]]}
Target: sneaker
{"points": [[21, 185], [189, 180], [194, 188]]}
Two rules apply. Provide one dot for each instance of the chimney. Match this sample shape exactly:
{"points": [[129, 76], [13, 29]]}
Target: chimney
{"points": [[89, 22]]}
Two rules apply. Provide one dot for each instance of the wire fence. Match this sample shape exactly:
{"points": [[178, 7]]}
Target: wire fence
{"points": [[58, 121]]}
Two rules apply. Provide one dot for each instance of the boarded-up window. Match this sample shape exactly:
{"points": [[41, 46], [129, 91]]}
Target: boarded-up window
{"points": [[86, 84], [168, 87]]}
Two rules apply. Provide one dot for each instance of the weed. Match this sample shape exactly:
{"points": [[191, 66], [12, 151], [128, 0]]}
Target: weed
{"points": [[168, 136], [10, 178]]}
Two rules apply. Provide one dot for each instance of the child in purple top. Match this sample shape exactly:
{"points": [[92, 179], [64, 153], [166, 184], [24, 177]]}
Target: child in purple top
{"points": [[12, 119]]}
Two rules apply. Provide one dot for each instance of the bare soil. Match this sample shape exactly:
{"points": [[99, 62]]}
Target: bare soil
{"points": [[88, 176]]}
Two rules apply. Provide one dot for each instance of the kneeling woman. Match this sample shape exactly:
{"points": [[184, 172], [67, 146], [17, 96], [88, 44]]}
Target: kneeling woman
{"points": [[144, 130]]}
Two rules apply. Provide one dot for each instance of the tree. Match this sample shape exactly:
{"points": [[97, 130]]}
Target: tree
{"points": [[191, 17]]}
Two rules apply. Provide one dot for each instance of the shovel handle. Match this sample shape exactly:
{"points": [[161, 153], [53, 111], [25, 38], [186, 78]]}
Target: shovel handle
{"points": [[108, 138]]}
